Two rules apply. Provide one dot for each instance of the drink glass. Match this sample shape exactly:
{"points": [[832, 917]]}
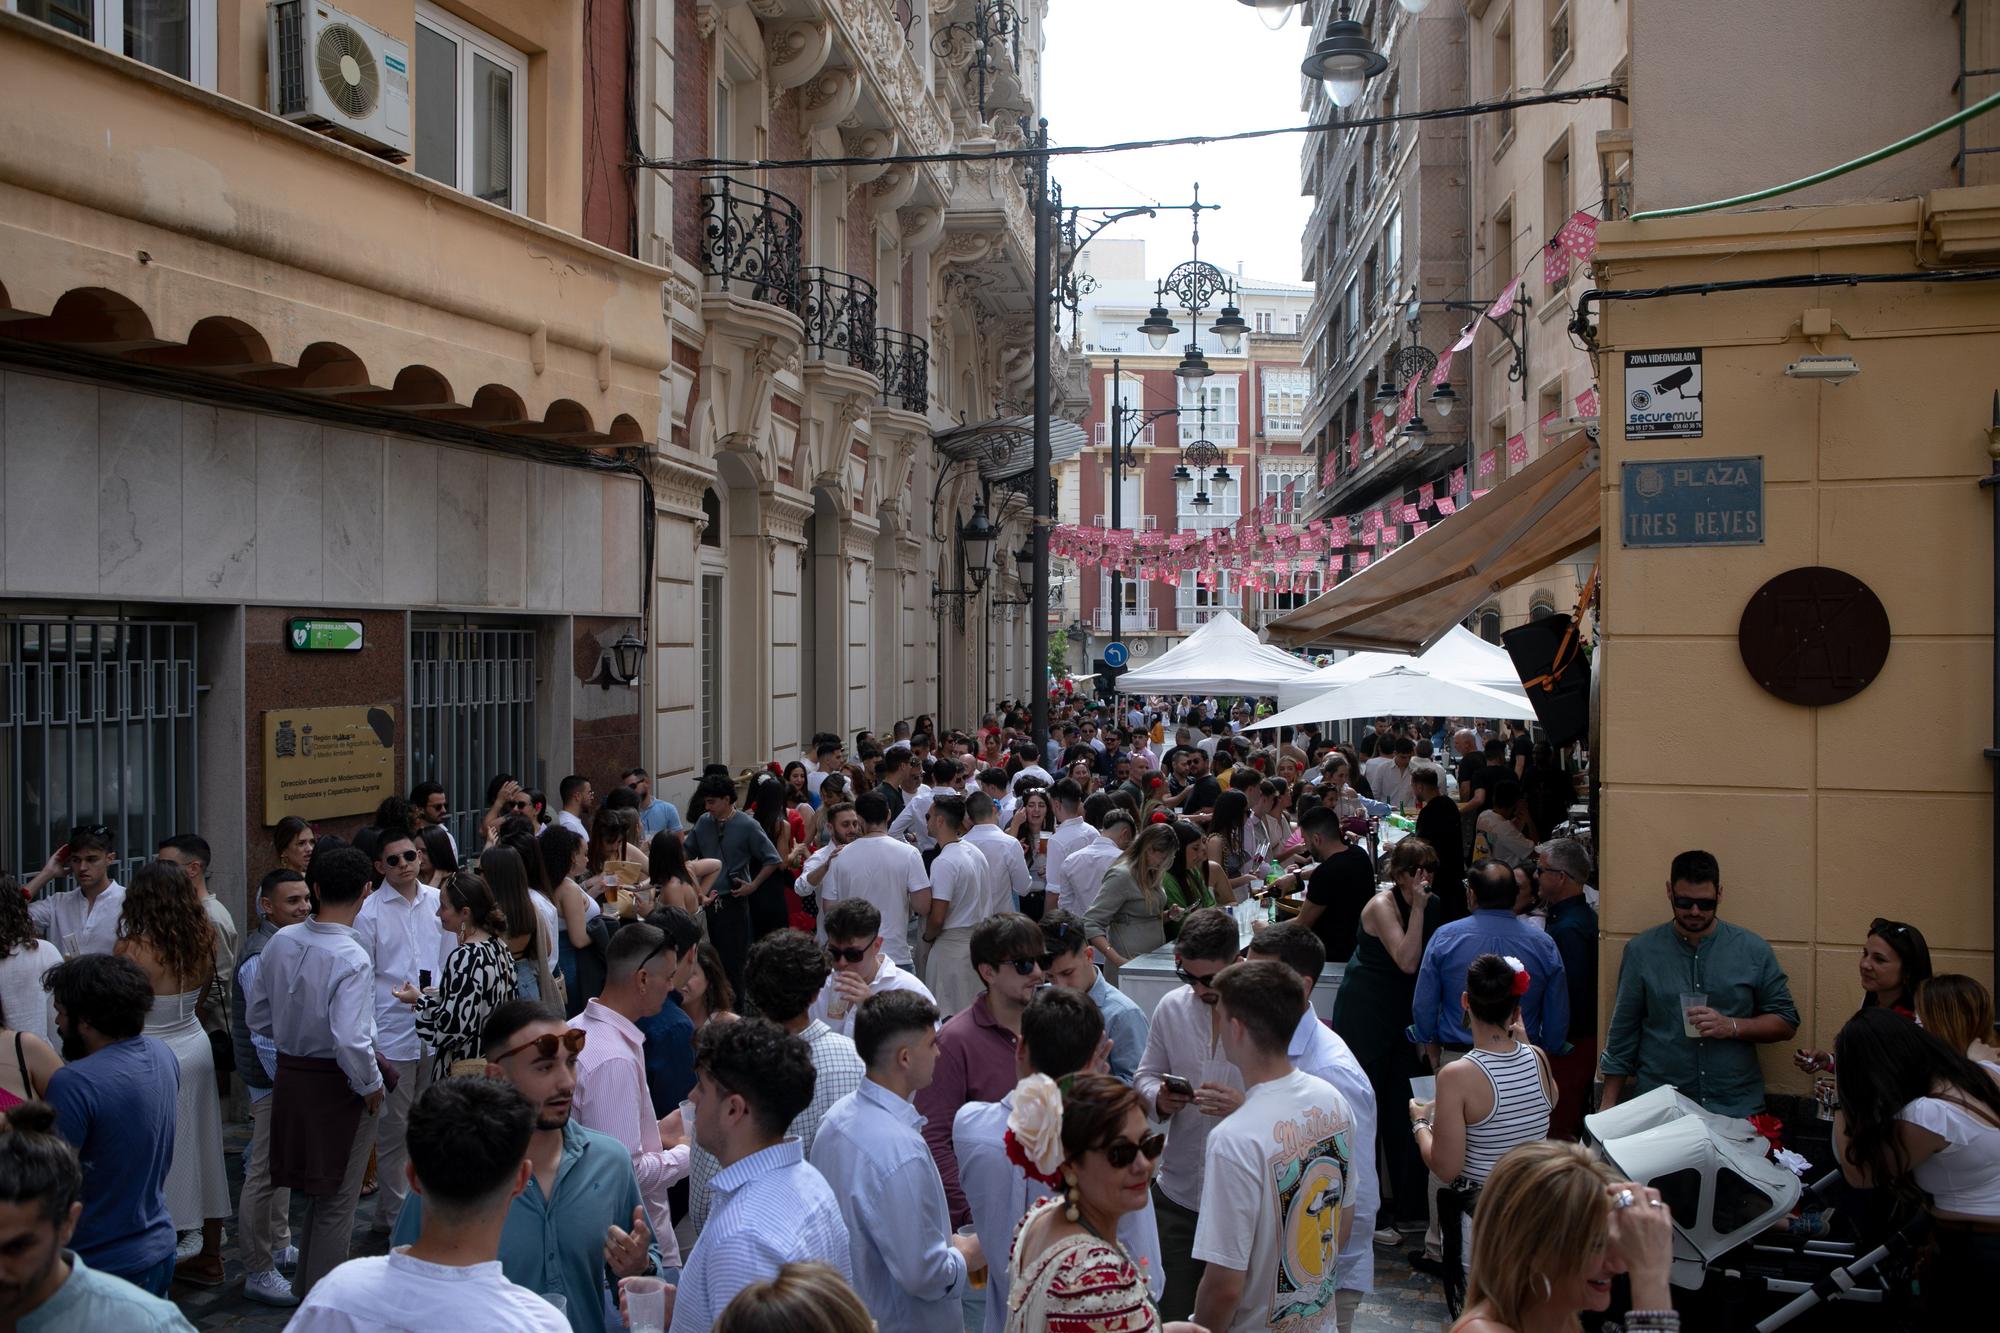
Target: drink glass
{"points": [[1691, 999], [975, 1277], [687, 1119], [645, 1304], [72, 944]]}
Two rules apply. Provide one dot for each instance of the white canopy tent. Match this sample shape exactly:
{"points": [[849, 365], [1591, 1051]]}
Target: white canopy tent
{"points": [[1460, 655], [1221, 657], [1401, 692]]}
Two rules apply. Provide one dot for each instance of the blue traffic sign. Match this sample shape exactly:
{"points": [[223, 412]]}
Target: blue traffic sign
{"points": [[1115, 654]]}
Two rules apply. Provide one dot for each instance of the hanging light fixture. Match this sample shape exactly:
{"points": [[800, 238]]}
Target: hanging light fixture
{"points": [[1221, 474], [976, 540], [1275, 13], [1387, 392], [1230, 328], [1444, 398], [1344, 60], [1181, 473], [1194, 366], [1415, 429], [1025, 558], [1201, 502], [1158, 326]]}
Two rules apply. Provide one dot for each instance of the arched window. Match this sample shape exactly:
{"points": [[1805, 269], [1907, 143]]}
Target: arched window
{"points": [[1541, 610], [1489, 624]]}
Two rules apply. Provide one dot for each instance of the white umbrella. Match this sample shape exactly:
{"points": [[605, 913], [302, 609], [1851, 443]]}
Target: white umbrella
{"points": [[1401, 692], [1460, 654]]}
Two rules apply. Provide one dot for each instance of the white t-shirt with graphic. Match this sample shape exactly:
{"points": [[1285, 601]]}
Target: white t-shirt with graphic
{"points": [[1274, 1189]]}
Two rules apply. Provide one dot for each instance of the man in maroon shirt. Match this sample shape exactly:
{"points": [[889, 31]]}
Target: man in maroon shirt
{"points": [[975, 1061]]}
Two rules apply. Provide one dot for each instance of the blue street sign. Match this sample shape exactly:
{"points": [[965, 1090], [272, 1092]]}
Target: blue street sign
{"points": [[1693, 502], [1115, 654]]}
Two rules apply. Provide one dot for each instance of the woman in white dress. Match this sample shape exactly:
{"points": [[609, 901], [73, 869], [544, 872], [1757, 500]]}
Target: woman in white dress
{"points": [[165, 931]]}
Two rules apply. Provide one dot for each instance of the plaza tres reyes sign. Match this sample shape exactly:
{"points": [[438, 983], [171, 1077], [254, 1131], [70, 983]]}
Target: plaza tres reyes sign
{"points": [[1693, 502], [321, 762], [323, 636]]}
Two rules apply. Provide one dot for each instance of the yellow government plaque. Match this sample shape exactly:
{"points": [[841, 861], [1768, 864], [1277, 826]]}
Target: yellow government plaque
{"points": [[320, 762]]}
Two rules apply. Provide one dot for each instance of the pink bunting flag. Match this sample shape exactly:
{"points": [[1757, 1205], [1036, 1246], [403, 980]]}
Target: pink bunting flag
{"points": [[1517, 450], [1370, 536], [1504, 302], [1361, 559], [1337, 531], [1477, 494], [1447, 506], [1555, 262], [1426, 495], [1489, 462], [1371, 521], [1377, 429], [1457, 480], [1465, 336], [1407, 514], [1334, 563], [1354, 448], [1410, 396], [1586, 402], [1443, 371], [1419, 529], [1549, 420], [1579, 236]]}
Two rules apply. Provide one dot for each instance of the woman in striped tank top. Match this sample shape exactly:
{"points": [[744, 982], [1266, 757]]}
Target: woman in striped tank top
{"points": [[1498, 1097]]}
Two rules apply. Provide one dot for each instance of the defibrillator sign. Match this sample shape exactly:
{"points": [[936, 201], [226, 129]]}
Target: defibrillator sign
{"points": [[1663, 394]]}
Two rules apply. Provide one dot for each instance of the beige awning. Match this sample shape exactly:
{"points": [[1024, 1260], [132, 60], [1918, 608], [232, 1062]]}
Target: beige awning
{"points": [[1547, 510]]}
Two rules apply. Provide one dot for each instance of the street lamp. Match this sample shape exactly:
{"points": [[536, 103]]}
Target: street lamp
{"points": [[1194, 285], [992, 21], [1275, 13], [976, 540], [1344, 60], [1158, 326], [1193, 366], [1230, 328], [619, 662]]}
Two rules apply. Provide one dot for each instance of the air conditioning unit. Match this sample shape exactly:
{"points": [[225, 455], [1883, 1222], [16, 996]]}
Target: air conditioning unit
{"points": [[335, 73]]}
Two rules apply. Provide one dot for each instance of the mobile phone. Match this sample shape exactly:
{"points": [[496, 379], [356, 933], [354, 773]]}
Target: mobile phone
{"points": [[423, 978], [1177, 1085]]}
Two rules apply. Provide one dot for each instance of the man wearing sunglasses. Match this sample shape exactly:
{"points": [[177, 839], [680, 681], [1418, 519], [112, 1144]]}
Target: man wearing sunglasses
{"points": [[976, 1048], [1696, 974], [580, 1224], [398, 926], [860, 968], [1187, 1081], [1061, 1034]]}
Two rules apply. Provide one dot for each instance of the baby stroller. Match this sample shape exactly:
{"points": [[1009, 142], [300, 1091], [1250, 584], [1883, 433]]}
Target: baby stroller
{"points": [[1731, 1271]]}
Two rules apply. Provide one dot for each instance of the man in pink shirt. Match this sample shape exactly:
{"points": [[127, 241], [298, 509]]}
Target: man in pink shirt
{"points": [[640, 969]]}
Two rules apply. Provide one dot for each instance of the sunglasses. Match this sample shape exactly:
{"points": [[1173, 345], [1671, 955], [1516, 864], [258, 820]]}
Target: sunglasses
{"points": [[1885, 928], [658, 949], [400, 858], [517, 805], [1025, 967], [1207, 982], [1683, 903], [1124, 1152], [836, 954], [546, 1045], [89, 831]]}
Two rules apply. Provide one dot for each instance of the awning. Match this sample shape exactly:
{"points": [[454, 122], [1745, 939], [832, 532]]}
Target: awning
{"points": [[1004, 447], [1406, 603]]}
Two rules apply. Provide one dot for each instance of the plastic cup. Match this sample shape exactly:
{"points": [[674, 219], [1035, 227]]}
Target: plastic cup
{"points": [[687, 1119], [976, 1277], [1692, 999], [645, 1304]]}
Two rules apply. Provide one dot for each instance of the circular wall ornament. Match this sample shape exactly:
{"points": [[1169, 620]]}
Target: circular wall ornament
{"points": [[1814, 636]]}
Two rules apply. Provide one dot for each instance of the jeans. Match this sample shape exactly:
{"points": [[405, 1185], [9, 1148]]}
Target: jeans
{"points": [[1183, 1270], [154, 1280]]}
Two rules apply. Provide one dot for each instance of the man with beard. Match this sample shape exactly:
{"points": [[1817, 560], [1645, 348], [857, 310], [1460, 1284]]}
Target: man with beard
{"points": [[580, 1217], [43, 1283], [115, 1101]]}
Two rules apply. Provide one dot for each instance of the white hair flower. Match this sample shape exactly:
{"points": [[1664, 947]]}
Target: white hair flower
{"points": [[1035, 1126]]}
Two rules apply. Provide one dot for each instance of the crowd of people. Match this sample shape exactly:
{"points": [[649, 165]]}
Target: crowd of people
{"points": [[845, 1047]]}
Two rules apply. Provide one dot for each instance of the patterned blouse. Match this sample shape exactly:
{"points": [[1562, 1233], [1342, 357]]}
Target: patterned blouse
{"points": [[478, 978], [1080, 1284]]}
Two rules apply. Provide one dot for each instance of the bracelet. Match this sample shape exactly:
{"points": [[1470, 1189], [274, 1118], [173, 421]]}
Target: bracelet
{"points": [[1659, 1321], [1735, 1029], [1416, 1125]]}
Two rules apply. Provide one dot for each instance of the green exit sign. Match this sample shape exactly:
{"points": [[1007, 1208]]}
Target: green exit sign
{"points": [[325, 636]]}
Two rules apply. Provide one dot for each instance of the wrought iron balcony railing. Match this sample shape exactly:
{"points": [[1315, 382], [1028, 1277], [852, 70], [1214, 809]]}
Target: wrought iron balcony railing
{"points": [[840, 317], [750, 242], [905, 370]]}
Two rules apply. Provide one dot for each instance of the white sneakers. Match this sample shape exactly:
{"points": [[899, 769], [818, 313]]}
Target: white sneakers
{"points": [[187, 1245], [269, 1288], [286, 1259]]}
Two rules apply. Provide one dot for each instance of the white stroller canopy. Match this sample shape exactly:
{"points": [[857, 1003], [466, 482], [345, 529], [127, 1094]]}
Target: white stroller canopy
{"points": [[1712, 1171]]}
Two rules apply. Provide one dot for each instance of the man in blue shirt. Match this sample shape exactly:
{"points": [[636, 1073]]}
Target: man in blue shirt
{"points": [[768, 1207], [115, 1102], [1070, 963], [654, 816], [580, 1221], [1437, 1019], [909, 1269], [1748, 1002], [1562, 872]]}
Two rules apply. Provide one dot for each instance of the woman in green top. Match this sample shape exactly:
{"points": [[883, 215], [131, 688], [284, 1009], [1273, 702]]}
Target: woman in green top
{"points": [[1186, 885], [1125, 919]]}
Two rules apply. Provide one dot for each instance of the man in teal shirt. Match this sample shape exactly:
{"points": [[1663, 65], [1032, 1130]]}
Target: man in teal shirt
{"points": [[1748, 1002], [579, 1226]]}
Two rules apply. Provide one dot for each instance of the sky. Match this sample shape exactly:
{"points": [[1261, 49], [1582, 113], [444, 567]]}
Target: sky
{"points": [[1148, 69]]}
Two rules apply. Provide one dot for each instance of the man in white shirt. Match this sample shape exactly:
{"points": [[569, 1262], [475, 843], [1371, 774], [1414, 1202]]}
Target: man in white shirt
{"points": [[828, 757], [887, 871], [1184, 1045], [912, 825], [398, 926], [964, 891], [83, 919], [263, 1214], [313, 999], [1030, 768], [1083, 871], [993, 781], [1001, 849], [1071, 832], [640, 970], [1391, 783], [1061, 1032], [469, 1158], [1277, 1182], [842, 826], [1318, 1050], [578, 800], [860, 969], [909, 1269]]}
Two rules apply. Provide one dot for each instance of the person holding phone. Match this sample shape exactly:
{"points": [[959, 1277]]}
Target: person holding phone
{"points": [[748, 859]]}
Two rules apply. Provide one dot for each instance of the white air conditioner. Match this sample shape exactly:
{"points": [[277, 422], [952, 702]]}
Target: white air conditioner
{"points": [[335, 73]]}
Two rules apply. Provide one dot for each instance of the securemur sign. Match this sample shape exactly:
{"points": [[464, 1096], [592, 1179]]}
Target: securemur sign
{"points": [[1693, 502]]}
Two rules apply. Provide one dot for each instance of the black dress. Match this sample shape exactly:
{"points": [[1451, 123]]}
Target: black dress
{"points": [[1371, 1012]]}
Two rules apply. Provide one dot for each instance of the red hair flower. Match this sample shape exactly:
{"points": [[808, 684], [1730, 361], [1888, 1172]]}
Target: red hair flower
{"points": [[1159, 817], [1521, 978], [777, 769]]}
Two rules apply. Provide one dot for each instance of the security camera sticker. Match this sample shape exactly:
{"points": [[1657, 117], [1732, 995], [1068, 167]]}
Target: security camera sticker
{"points": [[1663, 394]]}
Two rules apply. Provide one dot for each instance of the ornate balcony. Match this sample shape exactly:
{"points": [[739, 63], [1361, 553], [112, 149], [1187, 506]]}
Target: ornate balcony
{"points": [[750, 242], [905, 370], [840, 318]]}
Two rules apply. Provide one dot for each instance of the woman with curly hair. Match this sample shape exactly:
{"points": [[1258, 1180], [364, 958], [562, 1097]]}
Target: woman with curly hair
{"points": [[24, 957], [165, 931]]}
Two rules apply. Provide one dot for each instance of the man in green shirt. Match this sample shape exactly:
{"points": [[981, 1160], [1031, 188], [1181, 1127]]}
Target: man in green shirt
{"points": [[1747, 1002]]}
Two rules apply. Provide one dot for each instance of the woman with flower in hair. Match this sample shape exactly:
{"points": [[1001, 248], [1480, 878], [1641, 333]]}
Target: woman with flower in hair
{"points": [[1090, 1142], [1498, 1097]]}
